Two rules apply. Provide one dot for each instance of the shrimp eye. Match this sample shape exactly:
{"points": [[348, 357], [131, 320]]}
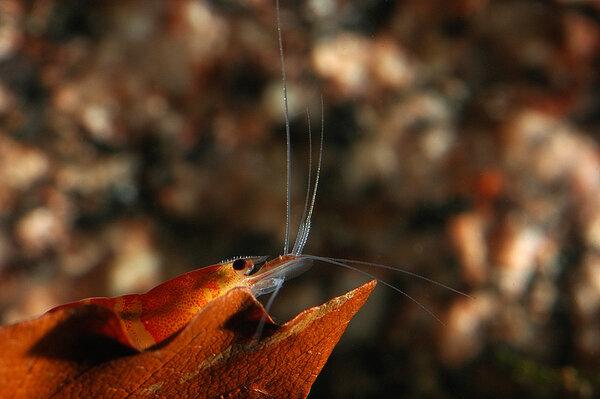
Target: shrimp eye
{"points": [[239, 264]]}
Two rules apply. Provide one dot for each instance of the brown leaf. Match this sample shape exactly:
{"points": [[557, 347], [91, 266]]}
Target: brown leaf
{"points": [[213, 356]]}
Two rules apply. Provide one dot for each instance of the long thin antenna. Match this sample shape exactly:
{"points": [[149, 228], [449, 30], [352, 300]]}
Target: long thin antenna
{"points": [[307, 222], [302, 225], [402, 292], [395, 269], [287, 135]]}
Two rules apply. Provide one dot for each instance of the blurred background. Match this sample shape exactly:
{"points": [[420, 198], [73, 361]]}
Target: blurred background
{"points": [[143, 139]]}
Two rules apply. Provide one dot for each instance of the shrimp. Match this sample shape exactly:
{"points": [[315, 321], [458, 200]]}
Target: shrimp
{"points": [[147, 319]]}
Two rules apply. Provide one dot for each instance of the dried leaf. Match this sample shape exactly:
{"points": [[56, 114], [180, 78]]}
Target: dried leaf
{"points": [[213, 356]]}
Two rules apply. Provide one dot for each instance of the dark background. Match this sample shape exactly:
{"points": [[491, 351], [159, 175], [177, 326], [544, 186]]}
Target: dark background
{"points": [[142, 139]]}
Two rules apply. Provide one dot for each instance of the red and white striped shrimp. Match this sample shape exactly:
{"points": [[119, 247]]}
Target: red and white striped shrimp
{"points": [[145, 320]]}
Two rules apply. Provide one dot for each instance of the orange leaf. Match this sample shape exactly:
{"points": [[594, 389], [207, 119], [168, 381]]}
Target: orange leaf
{"points": [[52, 356]]}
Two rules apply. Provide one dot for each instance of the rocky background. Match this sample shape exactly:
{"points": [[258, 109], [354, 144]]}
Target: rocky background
{"points": [[143, 139]]}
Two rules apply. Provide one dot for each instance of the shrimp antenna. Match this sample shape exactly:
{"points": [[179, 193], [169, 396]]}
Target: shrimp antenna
{"points": [[402, 292], [302, 225], [287, 134], [395, 269], [288, 179], [301, 241]]}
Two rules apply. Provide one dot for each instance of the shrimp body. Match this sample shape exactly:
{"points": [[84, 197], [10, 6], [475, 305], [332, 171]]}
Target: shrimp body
{"points": [[144, 320]]}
